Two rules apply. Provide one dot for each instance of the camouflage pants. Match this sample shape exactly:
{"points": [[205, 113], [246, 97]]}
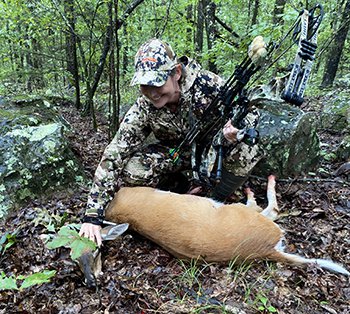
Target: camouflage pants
{"points": [[152, 165], [242, 159]]}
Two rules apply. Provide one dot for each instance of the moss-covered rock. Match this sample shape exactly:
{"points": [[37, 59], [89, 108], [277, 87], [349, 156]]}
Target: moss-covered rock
{"points": [[288, 135], [289, 138], [335, 115], [35, 157], [343, 150]]}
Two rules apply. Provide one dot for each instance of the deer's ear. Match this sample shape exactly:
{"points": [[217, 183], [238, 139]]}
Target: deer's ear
{"points": [[113, 232]]}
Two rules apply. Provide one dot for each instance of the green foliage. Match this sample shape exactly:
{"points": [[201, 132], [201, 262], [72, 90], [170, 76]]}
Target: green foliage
{"points": [[50, 221], [7, 240], [7, 283], [328, 156], [264, 305], [11, 283], [34, 36], [36, 278], [69, 237], [191, 272], [236, 270]]}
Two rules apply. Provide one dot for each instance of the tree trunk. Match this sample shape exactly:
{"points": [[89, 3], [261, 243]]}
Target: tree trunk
{"points": [[106, 47], [89, 106], [114, 81], [12, 52], [28, 62], [71, 49], [37, 64], [125, 56], [116, 108], [336, 48], [189, 13], [112, 101], [255, 12], [278, 10], [210, 28], [198, 44]]}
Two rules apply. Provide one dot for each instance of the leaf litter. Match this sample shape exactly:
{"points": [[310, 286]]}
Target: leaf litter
{"points": [[140, 277]]}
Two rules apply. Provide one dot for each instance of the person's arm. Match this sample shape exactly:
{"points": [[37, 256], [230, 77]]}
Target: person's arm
{"points": [[131, 134]]}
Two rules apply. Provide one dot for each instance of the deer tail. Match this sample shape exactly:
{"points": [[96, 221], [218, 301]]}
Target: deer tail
{"points": [[299, 260]]}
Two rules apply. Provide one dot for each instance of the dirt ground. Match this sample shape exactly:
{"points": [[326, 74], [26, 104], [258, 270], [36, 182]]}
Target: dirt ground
{"points": [[140, 277]]}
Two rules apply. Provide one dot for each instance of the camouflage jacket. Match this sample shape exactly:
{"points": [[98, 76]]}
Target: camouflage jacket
{"points": [[198, 88]]}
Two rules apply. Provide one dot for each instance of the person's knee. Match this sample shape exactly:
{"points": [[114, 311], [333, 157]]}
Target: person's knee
{"points": [[242, 162], [137, 172]]}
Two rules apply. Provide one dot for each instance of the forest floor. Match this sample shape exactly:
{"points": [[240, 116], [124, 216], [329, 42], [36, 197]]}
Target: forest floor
{"points": [[140, 277]]}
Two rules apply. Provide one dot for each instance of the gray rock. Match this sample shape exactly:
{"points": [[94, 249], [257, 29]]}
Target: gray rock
{"points": [[335, 115], [343, 150], [35, 158], [289, 138], [287, 134]]}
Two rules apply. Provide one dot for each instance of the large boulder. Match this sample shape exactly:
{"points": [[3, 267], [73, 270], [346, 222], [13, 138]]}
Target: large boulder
{"points": [[287, 134], [335, 114], [335, 117], [35, 158], [343, 150]]}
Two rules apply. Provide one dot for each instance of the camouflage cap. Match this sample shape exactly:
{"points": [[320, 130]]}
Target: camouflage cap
{"points": [[153, 63]]}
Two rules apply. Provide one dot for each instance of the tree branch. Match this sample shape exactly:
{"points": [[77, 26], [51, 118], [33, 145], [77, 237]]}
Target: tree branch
{"points": [[127, 12], [227, 27]]}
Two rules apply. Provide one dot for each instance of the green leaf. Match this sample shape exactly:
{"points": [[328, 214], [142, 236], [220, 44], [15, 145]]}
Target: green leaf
{"points": [[65, 237], [81, 246], [68, 237], [3, 238], [8, 245], [38, 278], [11, 240], [263, 300], [272, 309], [68, 231], [58, 242], [51, 228], [8, 283]]}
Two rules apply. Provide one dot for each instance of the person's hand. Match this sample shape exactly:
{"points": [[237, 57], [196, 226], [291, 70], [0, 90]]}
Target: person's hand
{"points": [[91, 231], [257, 49], [230, 132]]}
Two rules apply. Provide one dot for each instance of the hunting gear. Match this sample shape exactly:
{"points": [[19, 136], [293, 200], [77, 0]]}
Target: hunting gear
{"points": [[198, 122], [306, 28], [232, 102]]}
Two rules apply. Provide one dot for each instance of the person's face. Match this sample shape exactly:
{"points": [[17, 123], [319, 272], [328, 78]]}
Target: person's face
{"points": [[167, 94]]}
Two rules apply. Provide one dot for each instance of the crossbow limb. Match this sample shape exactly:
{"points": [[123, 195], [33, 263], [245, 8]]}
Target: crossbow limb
{"points": [[307, 44]]}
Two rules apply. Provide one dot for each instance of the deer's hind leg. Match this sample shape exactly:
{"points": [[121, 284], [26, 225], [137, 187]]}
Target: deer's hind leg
{"points": [[251, 202], [271, 211]]}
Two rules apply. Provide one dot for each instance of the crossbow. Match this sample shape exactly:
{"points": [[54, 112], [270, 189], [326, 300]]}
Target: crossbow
{"points": [[306, 28], [232, 103]]}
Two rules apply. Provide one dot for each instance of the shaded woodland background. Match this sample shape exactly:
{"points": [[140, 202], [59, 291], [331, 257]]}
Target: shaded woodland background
{"points": [[140, 277], [82, 53], [84, 49]]}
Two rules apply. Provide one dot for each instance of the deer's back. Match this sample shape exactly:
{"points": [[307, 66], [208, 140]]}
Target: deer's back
{"points": [[191, 226]]}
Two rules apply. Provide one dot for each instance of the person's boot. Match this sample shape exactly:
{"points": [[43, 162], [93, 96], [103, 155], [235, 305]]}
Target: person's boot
{"points": [[229, 183]]}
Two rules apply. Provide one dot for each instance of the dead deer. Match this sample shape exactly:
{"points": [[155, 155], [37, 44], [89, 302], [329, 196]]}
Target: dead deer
{"points": [[190, 226]]}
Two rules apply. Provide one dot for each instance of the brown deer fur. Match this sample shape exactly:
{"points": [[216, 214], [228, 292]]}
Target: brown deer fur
{"points": [[190, 226]]}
